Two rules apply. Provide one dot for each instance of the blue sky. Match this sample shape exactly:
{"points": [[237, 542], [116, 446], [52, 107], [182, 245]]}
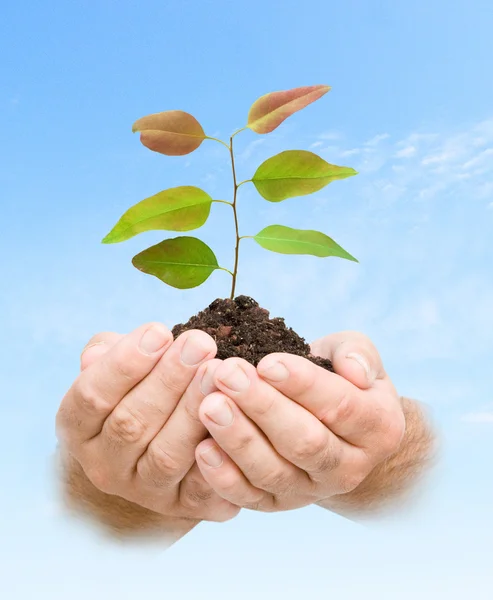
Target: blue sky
{"points": [[410, 109]]}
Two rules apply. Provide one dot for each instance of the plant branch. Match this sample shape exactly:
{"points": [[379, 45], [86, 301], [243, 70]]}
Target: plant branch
{"points": [[237, 246], [207, 137], [238, 131], [224, 202], [242, 182]]}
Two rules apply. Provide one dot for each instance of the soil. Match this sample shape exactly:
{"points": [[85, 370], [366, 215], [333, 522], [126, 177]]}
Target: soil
{"points": [[242, 328]]}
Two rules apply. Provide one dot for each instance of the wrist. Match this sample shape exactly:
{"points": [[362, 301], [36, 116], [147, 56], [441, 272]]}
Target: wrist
{"points": [[116, 516], [393, 482]]}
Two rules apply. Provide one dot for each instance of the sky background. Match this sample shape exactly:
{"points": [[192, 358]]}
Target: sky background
{"points": [[410, 108]]}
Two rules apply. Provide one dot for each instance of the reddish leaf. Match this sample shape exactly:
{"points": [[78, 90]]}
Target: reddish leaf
{"points": [[269, 111], [173, 132]]}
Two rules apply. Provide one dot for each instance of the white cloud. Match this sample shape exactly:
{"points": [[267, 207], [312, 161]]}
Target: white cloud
{"points": [[352, 152], [480, 159], [330, 136], [247, 153], [406, 224], [375, 141], [436, 165], [406, 152]]}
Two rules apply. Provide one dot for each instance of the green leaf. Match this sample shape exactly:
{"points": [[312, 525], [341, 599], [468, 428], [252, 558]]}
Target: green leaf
{"points": [[177, 209], [182, 262], [173, 132], [296, 173], [286, 240], [269, 111]]}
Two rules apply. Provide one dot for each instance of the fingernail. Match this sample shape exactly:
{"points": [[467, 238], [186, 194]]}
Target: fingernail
{"points": [[236, 379], [212, 457], [219, 411], [207, 385], [194, 351], [361, 360], [275, 371], [154, 339]]}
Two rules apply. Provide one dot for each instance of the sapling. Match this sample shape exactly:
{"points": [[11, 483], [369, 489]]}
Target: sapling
{"points": [[239, 325]]}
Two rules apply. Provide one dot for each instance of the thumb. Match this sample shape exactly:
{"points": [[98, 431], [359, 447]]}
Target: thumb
{"points": [[353, 356]]}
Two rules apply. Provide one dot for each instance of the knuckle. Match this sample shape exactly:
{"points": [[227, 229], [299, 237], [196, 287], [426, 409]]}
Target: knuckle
{"points": [[263, 405], [275, 482], [158, 467], [125, 427], [255, 505], [346, 408], [370, 421], [228, 482], [195, 494], [261, 410], [327, 461], [263, 502], [90, 399], [192, 413], [242, 442], [170, 379], [309, 446]]}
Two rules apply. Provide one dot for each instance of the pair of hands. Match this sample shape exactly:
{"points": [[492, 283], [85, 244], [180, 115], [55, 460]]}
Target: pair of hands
{"points": [[167, 426]]}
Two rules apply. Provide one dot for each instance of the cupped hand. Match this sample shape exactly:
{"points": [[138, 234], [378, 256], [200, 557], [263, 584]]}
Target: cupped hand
{"points": [[291, 433], [131, 420]]}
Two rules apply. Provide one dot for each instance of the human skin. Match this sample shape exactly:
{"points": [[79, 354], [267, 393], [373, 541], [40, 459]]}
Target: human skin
{"points": [[289, 433], [136, 433]]}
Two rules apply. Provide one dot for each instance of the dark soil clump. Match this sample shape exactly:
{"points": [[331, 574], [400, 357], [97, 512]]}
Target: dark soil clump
{"points": [[242, 328]]}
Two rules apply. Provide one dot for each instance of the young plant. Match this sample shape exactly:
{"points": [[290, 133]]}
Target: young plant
{"points": [[186, 262]]}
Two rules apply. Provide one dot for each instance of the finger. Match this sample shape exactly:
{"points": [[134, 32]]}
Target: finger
{"points": [[249, 449], [171, 453], [353, 356], [352, 414], [97, 346], [100, 387], [199, 500], [142, 413], [227, 480], [295, 433]]}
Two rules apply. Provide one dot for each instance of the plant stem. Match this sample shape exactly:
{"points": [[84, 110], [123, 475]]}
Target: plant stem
{"points": [[237, 247], [238, 131], [208, 137], [224, 202]]}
